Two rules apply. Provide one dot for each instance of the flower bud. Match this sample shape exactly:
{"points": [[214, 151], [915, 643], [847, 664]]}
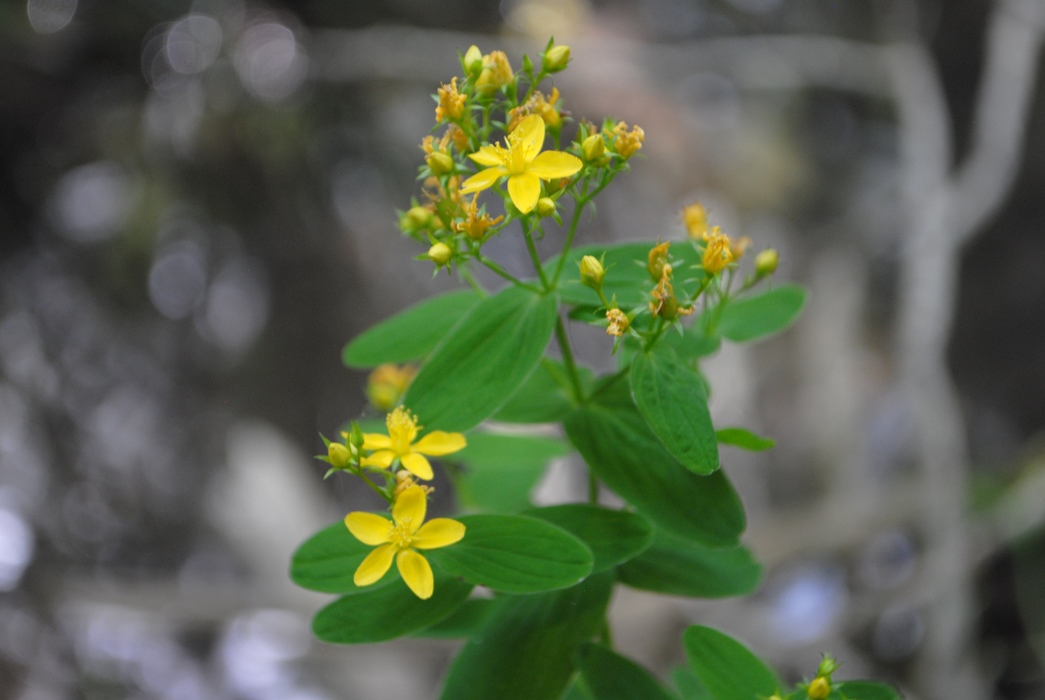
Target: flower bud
{"points": [[556, 58], [766, 262], [819, 689], [592, 272], [338, 455], [658, 258], [695, 217], [417, 218], [617, 322], [439, 163], [472, 61], [545, 207], [496, 72], [593, 147], [356, 437], [738, 247], [440, 254]]}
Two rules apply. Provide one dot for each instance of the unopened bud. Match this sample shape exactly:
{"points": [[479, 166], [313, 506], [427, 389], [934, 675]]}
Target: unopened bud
{"points": [[356, 437], [766, 262], [545, 206], [440, 254], [338, 455], [592, 272], [472, 62], [439, 163], [593, 147], [417, 218], [819, 689], [556, 58]]}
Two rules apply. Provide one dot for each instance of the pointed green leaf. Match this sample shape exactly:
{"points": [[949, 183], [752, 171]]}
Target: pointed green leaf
{"points": [[624, 453], [689, 687], [464, 622], [327, 561], [541, 398], [609, 676], [501, 470], [483, 361], [725, 667], [673, 400], [411, 334], [867, 690], [614, 536], [762, 315], [386, 612], [527, 650], [677, 567], [515, 554], [744, 439]]}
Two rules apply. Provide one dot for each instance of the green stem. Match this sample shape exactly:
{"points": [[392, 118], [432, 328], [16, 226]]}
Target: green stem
{"points": [[532, 247], [574, 221], [468, 277], [593, 488], [497, 269], [377, 489], [568, 361]]}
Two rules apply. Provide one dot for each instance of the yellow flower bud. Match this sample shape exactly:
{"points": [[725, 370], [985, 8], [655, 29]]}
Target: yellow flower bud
{"points": [[439, 163], [738, 247], [695, 217], [618, 322], [387, 383], [658, 258], [819, 689], [440, 254], [496, 73], [593, 147], [417, 218], [545, 206], [628, 142], [717, 254], [556, 58], [592, 272], [766, 262], [472, 61], [338, 455]]}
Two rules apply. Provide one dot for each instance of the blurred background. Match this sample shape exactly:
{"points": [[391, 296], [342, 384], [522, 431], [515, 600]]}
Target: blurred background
{"points": [[197, 211]]}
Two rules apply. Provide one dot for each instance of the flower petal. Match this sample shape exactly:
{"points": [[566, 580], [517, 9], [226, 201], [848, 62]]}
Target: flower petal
{"points": [[555, 164], [438, 443], [525, 190], [417, 465], [483, 179], [381, 460], [369, 528], [376, 441], [410, 508], [530, 135], [375, 565], [417, 573], [438, 533], [489, 155]]}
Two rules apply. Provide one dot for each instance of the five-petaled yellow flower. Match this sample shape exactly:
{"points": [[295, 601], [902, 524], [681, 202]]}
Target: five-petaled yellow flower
{"points": [[523, 163], [399, 443], [400, 538]]}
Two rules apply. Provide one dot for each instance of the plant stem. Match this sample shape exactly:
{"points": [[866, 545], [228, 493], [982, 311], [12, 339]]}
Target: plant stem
{"points": [[567, 359], [574, 221], [494, 267], [532, 247]]}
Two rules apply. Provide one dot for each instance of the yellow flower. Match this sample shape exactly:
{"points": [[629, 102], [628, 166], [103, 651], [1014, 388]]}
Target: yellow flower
{"points": [[523, 163], [451, 102], [476, 223], [399, 444], [717, 254], [695, 216], [496, 72], [628, 142], [399, 539], [618, 322]]}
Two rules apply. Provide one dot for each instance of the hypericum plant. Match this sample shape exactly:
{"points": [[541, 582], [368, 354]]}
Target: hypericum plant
{"points": [[528, 588]]}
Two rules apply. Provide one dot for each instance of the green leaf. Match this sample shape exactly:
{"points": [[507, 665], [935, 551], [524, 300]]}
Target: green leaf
{"points": [[464, 622], [502, 470], [762, 315], [744, 439], [387, 612], [677, 567], [411, 334], [624, 453], [541, 398], [674, 402], [610, 676], [527, 649], [327, 561], [515, 554], [725, 667], [867, 690], [614, 536], [689, 687], [626, 274], [483, 361]]}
